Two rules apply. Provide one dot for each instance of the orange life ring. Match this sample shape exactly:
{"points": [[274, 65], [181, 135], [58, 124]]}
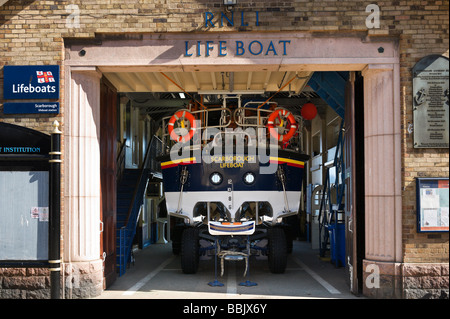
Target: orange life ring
{"points": [[291, 121], [181, 115]]}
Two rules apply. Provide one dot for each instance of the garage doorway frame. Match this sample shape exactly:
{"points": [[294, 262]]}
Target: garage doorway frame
{"points": [[376, 58]]}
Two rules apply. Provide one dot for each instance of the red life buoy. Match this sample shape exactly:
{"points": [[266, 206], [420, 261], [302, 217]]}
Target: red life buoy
{"points": [[181, 116], [285, 115]]}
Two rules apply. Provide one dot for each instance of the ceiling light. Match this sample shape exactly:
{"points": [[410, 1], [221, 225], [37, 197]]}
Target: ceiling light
{"points": [[182, 96], [229, 2]]}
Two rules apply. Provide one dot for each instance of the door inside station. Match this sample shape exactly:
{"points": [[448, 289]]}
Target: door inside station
{"points": [[142, 100], [108, 137]]}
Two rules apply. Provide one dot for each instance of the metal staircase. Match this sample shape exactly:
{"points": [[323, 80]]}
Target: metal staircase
{"points": [[125, 194], [331, 213], [330, 86], [130, 198]]}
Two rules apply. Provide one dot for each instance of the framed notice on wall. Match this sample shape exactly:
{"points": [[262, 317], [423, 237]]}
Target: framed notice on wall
{"points": [[432, 204]]}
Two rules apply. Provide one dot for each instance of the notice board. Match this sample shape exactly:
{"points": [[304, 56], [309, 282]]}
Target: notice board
{"points": [[24, 210], [24, 195], [432, 204]]}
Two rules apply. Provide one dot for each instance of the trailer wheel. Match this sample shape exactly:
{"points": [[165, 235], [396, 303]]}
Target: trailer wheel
{"points": [[277, 250], [189, 251]]}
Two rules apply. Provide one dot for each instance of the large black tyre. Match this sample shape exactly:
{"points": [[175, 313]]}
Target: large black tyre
{"points": [[289, 237], [277, 250], [176, 235], [189, 251]]}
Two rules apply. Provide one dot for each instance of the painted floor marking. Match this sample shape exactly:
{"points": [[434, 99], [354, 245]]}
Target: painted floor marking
{"points": [[319, 279], [231, 280], [147, 278]]}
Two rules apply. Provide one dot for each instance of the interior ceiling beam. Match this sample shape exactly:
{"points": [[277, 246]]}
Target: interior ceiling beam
{"points": [[130, 80], [117, 78], [249, 80], [160, 81], [288, 77], [267, 79], [177, 79], [194, 77], [303, 79], [140, 77], [173, 103], [242, 81], [227, 92], [213, 80], [231, 81], [149, 80], [298, 102], [177, 102]]}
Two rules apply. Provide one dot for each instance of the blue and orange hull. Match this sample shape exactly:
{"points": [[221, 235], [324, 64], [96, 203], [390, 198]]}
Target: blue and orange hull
{"points": [[233, 190], [200, 172]]}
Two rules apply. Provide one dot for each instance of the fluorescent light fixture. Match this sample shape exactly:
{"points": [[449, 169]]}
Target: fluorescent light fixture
{"points": [[229, 2], [182, 96], [225, 92]]}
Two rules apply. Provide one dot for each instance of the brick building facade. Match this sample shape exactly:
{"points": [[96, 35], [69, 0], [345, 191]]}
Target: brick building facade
{"points": [[34, 33]]}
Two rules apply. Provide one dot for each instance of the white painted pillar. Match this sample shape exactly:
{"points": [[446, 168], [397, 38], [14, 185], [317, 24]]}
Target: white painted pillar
{"points": [[383, 205], [82, 261], [83, 166]]}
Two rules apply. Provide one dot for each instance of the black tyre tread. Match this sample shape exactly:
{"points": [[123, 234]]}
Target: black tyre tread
{"points": [[277, 250], [289, 238], [176, 238], [189, 251]]}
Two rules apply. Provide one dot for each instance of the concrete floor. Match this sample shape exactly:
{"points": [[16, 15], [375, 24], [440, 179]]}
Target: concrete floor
{"points": [[157, 275]]}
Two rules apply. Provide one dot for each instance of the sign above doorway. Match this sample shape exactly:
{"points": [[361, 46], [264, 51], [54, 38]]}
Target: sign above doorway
{"points": [[31, 82]]}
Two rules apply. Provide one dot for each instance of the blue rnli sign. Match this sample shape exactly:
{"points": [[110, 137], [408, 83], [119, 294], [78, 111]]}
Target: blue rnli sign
{"points": [[31, 108], [31, 82]]}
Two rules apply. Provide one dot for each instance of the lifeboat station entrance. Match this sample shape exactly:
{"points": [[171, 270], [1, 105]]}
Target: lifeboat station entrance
{"points": [[121, 90]]}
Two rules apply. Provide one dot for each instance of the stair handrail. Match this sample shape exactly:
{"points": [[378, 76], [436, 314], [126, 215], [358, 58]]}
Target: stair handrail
{"points": [[120, 161], [323, 215], [138, 183], [133, 210], [338, 162]]}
